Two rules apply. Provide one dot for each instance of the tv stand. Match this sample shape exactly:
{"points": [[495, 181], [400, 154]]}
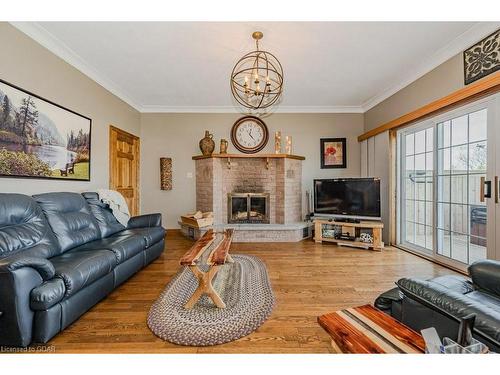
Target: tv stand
{"points": [[352, 229]]}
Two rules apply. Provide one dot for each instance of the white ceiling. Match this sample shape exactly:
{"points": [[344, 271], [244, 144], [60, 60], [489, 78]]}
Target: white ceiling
{"points": [[185, 66]]}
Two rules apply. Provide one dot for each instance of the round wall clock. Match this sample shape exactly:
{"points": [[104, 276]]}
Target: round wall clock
{"points": [[249, 134]]}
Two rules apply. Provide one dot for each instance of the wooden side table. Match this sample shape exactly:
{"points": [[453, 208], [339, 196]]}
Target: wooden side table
{"points": [[367, 330]]}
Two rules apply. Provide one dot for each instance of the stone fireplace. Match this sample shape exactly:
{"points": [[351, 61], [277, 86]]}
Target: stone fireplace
{"points": [[248, 208], [259, 195]]}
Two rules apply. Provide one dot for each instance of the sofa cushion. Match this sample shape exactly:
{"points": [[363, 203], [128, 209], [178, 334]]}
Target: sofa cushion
{"points": [[23, 228], [456, 283], [485, 299], [81, 268], [48, 294], [124, 247], [151, 235], [107, 222], [70, 218]]}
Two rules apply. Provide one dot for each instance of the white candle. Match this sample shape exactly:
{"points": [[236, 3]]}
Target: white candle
{"points": [[277, 142]]}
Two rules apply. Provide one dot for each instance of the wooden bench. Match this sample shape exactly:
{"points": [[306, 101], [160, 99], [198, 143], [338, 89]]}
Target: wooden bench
{"points": [[217, 257], [69, 169]]}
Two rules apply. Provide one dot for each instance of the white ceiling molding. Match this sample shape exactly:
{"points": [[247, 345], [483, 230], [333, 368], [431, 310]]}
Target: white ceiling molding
{"points": [[230, 109], [456, 46], [57, 47]]}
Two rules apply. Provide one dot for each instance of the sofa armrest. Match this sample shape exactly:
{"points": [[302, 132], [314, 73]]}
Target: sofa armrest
{"points": [[485, 274], [43, 266], [145, 221], [385, 300], [18, 277]]}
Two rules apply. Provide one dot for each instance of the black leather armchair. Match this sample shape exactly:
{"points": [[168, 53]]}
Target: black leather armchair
{"points": [[60, 254], [441, 302]]}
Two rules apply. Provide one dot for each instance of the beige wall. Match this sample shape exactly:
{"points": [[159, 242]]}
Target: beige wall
{"points": [[441, 81], [177, 136], [27, 64], [375, 158]]}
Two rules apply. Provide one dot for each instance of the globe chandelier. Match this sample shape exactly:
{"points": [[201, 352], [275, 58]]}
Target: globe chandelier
{"points": [[257, 78]]}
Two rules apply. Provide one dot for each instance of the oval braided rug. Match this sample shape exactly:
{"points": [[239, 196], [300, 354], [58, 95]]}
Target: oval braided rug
{"points": [[243, 285]]}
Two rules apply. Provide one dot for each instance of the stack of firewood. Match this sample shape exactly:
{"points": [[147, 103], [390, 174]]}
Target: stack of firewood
{"points": [[198, 219]]}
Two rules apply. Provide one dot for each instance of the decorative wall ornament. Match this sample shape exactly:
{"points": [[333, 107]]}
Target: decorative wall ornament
{"points": [[41, 139], [366, 238], [223, 146], [257, 78], [333, 153], [277, 142], [207, 144], [483, 58], [166, 173]]}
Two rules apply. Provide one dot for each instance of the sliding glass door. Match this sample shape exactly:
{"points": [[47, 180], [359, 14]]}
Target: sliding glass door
{"points": [[447, 191], [417, 193]]}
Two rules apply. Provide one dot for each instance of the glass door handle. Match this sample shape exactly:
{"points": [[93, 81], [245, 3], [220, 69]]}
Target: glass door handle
{"points": [[496, 188], [484, 189]]}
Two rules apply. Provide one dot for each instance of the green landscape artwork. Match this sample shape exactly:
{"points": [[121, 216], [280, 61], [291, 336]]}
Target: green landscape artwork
{"points": [[40, 139]]}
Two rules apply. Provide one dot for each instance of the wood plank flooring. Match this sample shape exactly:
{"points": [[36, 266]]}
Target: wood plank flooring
{"points": [[308, 280]]}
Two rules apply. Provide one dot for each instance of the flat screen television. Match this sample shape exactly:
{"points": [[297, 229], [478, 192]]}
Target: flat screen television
{"points": [[356, 198]]}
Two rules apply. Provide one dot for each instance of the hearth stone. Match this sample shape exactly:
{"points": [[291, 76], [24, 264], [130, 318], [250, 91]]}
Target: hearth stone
{"points": [[257, 232]]}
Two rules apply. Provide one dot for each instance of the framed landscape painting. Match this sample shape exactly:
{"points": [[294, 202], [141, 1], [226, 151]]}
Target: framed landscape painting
{"points": [[333, 153], [41, 139]]}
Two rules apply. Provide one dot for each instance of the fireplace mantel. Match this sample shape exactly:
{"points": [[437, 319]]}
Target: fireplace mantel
{"points": [[254, 156]]}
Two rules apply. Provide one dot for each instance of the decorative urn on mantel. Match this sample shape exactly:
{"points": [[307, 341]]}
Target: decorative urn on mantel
{"points": [[207, 144]]}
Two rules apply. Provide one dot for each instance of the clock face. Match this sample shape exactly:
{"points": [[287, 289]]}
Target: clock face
{"points": [[249, 134]]}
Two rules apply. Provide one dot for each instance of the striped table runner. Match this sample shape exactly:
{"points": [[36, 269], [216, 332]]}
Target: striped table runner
{"points": [[365, 329]]}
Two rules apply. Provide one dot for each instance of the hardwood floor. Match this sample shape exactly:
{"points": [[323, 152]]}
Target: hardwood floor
{"points": [[308, 280]]}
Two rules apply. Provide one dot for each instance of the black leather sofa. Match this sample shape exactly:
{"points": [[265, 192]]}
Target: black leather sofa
{"points": [[60, 254], [442, 301]]}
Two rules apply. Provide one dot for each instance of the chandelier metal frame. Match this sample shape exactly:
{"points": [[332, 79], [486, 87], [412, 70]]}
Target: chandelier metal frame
{"points": [[250, 71]]}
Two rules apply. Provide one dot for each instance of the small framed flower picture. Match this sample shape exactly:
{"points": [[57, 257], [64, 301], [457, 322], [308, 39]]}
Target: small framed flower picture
{"points": [[333, 153]]}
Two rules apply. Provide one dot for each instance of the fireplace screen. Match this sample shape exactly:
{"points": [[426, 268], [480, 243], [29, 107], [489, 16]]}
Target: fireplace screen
{"points": [[248, 208]]}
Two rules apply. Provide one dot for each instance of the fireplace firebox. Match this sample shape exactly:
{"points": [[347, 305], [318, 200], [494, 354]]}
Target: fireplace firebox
{"points": [[248, 208]]}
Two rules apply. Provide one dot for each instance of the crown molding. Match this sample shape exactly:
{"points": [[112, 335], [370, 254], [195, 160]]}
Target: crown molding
{"points": [[60, 49], [456, 46], [232, 109]]}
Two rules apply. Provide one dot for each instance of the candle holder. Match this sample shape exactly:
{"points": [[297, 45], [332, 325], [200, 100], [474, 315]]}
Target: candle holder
{"points": [[288, 147], [277, 142], [223, 146]]}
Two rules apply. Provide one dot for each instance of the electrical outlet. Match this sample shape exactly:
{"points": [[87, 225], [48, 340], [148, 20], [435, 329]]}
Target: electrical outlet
{"points": [[189, 175]]}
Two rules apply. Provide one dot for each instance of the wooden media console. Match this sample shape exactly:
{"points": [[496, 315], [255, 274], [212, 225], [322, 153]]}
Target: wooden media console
{"points": [[375, 227]]}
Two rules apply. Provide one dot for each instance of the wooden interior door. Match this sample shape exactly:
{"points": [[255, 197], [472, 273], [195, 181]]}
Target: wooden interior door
{"points": [[124, 151]]}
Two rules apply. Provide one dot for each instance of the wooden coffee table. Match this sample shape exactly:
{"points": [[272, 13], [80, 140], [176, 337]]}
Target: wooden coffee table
{"points": [[218, 256], [365, 329]]}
